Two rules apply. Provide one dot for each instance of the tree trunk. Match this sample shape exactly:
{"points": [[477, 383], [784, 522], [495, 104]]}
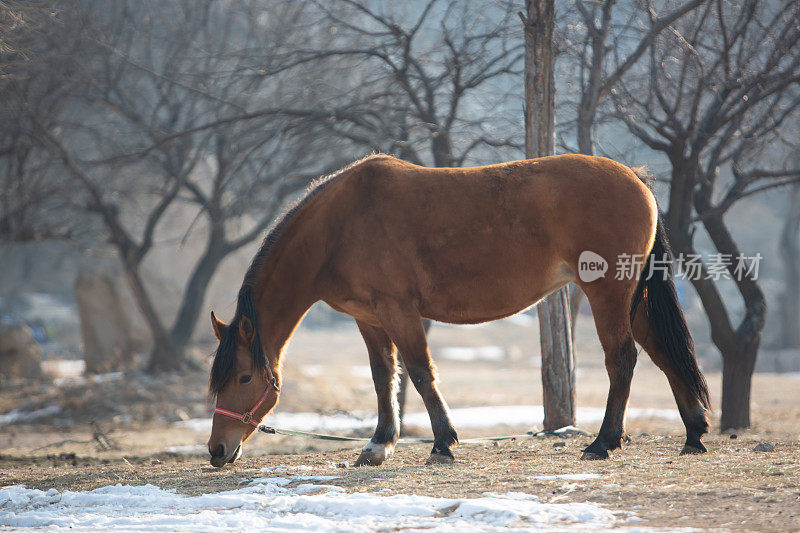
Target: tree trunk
{"points": [[195, 292], [540, 117], [790, 252], [737, 377], [586, 116], [163, 357], [738, 345], [739, 352], [576, 296], [441, 149], [558, 360]]}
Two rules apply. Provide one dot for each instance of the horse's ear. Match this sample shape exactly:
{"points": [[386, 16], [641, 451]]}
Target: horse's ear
{"points": [[219, 326], [246, 331]]}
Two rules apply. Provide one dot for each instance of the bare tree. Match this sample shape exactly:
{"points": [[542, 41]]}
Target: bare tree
{"points": [[790, 252], [430, 82], [130, 143], [33, 81], [605, 45], [558, 357], [19, 24], [608, 45], [716, 91]]}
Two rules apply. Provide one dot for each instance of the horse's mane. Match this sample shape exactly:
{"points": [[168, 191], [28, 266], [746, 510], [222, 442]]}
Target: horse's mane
{"points": [[646, 176], [224, 363]]}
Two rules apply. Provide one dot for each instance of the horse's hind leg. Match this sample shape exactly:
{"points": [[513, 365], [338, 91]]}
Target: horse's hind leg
{"points": [[691, 409], [383, 363], [611, 312], [403, 324]]}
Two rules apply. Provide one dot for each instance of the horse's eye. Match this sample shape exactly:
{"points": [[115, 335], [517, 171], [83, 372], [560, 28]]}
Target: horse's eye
{"points": [[245, 379]]}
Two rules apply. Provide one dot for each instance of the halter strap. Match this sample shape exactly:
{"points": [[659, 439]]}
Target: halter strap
{"points": [[247, 416]]}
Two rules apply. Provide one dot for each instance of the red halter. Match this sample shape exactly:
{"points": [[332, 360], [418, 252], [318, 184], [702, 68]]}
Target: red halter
{"points": [[247, 417]]}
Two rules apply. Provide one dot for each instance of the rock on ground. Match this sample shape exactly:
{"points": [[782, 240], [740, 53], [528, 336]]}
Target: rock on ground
{"points": [[20, 354]]}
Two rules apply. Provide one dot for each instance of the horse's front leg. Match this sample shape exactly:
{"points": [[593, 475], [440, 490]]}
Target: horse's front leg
{"points": [[383, 363], [404, 326]]}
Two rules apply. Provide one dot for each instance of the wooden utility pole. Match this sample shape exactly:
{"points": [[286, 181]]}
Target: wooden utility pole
{"points": [[558, 358]]}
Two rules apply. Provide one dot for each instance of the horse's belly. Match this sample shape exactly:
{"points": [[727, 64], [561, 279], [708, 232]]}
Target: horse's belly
{"points": [[490, 297]]}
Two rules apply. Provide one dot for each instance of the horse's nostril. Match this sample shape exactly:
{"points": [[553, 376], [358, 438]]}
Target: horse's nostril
{"points": [[219, 451]]}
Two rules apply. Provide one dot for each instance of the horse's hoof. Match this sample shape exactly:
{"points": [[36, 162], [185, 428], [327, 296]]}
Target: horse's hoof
{"points": [[374, 454], [596, 451], [591, 456], [370, 458], [440, 459], [693, 450]]}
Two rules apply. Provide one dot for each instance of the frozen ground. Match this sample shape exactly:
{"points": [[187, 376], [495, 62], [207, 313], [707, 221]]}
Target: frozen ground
{"points": [[732, 488], [289, 503]]}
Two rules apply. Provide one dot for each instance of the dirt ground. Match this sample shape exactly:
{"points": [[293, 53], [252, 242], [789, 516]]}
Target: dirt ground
{"points": [[730, 488]]}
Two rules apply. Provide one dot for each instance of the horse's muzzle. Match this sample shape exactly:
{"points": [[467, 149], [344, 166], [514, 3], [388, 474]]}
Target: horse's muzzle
{"points": [[219, 458]]}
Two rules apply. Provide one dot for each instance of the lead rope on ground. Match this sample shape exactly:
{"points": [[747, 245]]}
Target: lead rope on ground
{"points": [[563, 432]]}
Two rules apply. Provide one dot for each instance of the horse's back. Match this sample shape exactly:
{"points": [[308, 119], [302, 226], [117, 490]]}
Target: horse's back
{"points": [[553, 203]]}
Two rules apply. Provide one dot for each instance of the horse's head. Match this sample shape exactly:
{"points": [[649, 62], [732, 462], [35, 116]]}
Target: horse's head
{"points": [[244, 386]]}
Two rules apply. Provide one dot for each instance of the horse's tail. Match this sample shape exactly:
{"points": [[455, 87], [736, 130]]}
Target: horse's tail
{"points": [[656, 291]]}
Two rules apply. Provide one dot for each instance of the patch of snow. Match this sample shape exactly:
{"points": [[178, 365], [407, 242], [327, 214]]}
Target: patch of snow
{"points": [[279, 481], [569, 477], [80, 380], [312, 371], [282, 481], [471, 353], [521, 319], [570, 430], [189, 449], [48, 308], [64, 368], [665, 414], [268, 503], [70, 380], [16, 415], [103, 378], [287, 468], [515, 508], [361, 371], [527, 415], [465, 417], [297, 421], [312, 488]]}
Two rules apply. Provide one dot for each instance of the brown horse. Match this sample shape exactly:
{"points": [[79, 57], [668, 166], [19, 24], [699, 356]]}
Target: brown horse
{"points": [[391, 243]]}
